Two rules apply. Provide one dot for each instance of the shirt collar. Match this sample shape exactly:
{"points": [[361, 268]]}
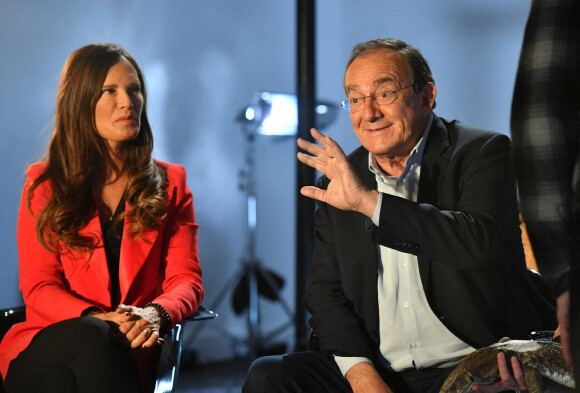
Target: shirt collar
{"points": [[414, 158]]}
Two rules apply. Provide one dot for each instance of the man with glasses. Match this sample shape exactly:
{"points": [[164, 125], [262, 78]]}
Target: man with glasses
{"points": [[418, 257]]}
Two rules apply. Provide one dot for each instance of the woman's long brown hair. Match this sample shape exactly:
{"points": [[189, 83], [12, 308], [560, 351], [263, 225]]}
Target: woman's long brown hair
{"points": [[76, 154]]}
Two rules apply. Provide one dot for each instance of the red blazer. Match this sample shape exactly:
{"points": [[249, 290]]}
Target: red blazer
{"points": [[160, 266]]}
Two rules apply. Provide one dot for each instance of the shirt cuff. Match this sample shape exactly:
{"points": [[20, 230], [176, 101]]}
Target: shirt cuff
{"points": [[377, 213], [345, 363]]}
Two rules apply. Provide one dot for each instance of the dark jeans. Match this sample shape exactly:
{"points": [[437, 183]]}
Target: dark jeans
{"points": [[76, 355], [314, 372]]}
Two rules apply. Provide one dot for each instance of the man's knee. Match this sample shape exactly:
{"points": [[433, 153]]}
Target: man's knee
{"points": [[293, 373], [268, 374], [259, 374]]}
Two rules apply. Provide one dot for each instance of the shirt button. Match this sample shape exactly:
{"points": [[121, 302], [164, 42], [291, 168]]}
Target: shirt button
{"points": [[413, 346], [406, 304], [405, 263]]}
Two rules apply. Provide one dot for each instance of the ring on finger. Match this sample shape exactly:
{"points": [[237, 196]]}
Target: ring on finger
{"points": [[146, 331]]}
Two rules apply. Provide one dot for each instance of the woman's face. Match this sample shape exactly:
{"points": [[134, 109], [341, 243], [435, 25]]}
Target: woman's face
{"points": [[118, 110]]}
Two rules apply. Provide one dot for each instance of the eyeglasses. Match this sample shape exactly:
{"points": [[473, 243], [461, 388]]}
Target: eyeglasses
{"points": [[383, 97]]}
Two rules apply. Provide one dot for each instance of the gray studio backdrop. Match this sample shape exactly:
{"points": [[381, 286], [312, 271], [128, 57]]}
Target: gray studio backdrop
{"points": [[203, 61]]}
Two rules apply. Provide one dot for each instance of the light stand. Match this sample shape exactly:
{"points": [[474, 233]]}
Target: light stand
{"points": [[268, 114], [252, 280], [255, 280]]}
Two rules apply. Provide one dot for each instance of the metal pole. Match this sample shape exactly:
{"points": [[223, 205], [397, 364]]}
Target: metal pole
{"points": [[254, 333], [306, 92]]}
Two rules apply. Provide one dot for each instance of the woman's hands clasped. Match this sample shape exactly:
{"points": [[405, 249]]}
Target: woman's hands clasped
{"points": [[138, 326]]}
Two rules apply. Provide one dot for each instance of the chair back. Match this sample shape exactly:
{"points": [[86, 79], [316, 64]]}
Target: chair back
{"points": [[169, 358], [9, 317]]}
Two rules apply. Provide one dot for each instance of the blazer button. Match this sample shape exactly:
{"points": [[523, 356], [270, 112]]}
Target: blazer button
{"points": [[369, 224], [374, 334]]}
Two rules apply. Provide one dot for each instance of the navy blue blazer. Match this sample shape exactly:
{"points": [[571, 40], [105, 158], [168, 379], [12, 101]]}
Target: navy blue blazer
{"points": [[464, 229]]}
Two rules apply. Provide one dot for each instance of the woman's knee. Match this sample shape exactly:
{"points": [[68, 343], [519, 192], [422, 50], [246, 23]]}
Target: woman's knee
{"points": [[92, 324], [95, 332], [60, 379]]}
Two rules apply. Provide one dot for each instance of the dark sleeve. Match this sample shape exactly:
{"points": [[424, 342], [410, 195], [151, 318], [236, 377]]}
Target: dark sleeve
{"points": [[339, 328], [545, 126]]}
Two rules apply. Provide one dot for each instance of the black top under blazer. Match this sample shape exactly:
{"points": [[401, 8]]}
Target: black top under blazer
{"points": [[465, 231]]}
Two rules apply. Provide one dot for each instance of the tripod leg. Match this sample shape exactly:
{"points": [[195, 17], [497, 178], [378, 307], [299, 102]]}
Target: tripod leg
{"points": [[253, 312], [220, 297], [274, 287]]}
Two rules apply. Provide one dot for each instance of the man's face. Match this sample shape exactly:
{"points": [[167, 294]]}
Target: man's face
{"points": [[388, 130]]}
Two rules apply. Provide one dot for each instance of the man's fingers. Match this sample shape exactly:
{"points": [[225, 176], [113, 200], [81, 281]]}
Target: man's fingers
{"points": [[321, 165], [563, 313], [504, 372], [327, 147], [517, 381], [507, 380], [313, 192], [491, 388], [326, 141], [566, 352], [317, 135], [306, 159], [315, 150], [518, 373]]}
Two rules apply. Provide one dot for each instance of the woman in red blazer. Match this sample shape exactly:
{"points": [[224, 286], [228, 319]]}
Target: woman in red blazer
{"points": [[107, 240]]}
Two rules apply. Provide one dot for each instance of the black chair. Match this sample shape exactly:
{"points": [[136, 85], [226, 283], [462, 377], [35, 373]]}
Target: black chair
{"points": [[9, 317], [169, 355]]}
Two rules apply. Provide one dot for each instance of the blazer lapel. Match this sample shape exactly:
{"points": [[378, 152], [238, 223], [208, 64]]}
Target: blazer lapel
{"points": [[134, 253], [434, 165], [97, 259], [370, 253], [367, 255]]}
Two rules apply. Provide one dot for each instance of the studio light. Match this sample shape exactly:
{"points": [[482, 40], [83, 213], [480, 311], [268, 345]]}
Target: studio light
{"points": [[277, 114]]}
